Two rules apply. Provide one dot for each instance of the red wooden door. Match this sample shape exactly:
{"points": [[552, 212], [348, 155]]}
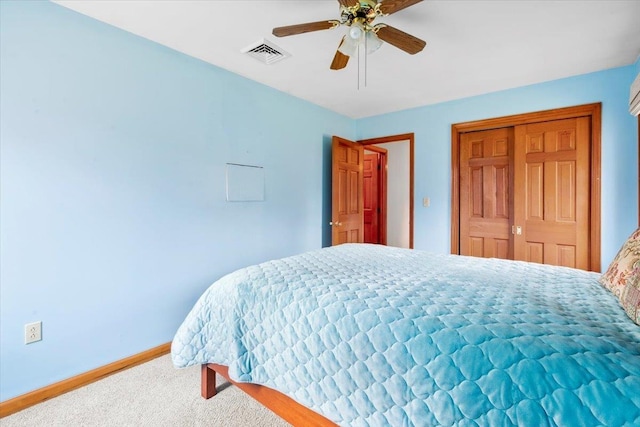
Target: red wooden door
{"points": [[371, 198]]}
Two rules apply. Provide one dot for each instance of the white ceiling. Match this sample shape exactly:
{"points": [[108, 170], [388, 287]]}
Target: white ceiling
{"points": [[473, 47]]}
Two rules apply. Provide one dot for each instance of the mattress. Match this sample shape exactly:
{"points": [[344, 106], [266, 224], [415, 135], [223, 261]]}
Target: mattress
{"points": [[370, 335]]}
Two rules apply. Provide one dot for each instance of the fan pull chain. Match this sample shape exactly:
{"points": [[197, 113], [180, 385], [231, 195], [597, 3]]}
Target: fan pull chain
{"points": [[366, 55], [358, 66]]}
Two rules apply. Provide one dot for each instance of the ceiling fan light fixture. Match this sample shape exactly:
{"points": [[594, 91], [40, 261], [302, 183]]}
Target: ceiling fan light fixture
{"points": [[372, 41], [359, 16], [355, 32], [349, 46]]}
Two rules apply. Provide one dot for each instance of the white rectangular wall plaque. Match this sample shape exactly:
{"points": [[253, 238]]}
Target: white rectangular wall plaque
{"points": [[245, 183]]}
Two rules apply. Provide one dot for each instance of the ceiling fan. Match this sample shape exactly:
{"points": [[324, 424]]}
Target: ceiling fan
{"points": [[360, 15]]}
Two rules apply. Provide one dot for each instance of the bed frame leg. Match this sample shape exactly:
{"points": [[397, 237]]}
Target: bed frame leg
{"points": [[207, 382]]}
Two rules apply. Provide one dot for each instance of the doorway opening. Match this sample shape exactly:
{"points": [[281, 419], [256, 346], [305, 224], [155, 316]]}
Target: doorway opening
{"points": [[393, 187], [347, 189]]}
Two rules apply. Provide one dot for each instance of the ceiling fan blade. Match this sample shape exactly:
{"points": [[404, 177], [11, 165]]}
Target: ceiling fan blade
{"points": [[291, 30], [340, 60], [400, 39], [349, 3], [387, 7]]}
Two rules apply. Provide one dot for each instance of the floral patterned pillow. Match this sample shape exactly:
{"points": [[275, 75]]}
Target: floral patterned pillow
{"points": [[621, 268], [631, 294]]}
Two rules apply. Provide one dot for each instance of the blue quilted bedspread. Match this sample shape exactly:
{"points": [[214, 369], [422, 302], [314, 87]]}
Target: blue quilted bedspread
{"points": [[374, 336]]}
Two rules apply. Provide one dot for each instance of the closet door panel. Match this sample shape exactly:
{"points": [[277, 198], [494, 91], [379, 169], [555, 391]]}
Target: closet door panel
{"points": [[551, 192], [485, 203]]}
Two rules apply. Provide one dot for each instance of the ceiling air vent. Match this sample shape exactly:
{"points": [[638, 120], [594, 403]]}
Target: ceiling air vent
{"points": [[266, 52]]}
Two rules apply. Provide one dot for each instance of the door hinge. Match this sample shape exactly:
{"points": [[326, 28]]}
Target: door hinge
{"points": [[516, 229]]}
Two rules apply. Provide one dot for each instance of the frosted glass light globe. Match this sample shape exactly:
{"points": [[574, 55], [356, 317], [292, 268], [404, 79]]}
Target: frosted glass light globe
{"points": [[355, 33]]}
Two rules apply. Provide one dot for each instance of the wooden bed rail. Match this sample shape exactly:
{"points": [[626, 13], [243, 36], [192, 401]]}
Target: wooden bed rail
{"points": [[283, 406]]}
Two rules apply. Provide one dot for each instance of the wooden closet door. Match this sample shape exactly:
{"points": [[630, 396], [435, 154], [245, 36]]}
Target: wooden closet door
{"points": [[485, 182], [551, 192]]}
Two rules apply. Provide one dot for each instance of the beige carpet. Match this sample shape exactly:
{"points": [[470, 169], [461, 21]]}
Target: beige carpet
{"points": [[151, 394]]}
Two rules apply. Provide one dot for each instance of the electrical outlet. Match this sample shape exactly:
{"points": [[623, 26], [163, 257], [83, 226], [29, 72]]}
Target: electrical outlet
{"points": [[32, 332]]}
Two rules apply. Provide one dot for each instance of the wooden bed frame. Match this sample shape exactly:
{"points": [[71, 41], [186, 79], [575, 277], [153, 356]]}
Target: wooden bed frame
{"points": [[285, 407]]}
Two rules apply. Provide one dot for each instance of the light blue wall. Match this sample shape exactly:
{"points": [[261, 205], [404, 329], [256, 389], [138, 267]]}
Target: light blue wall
{"points": [[432, 127], [113, 212]]}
